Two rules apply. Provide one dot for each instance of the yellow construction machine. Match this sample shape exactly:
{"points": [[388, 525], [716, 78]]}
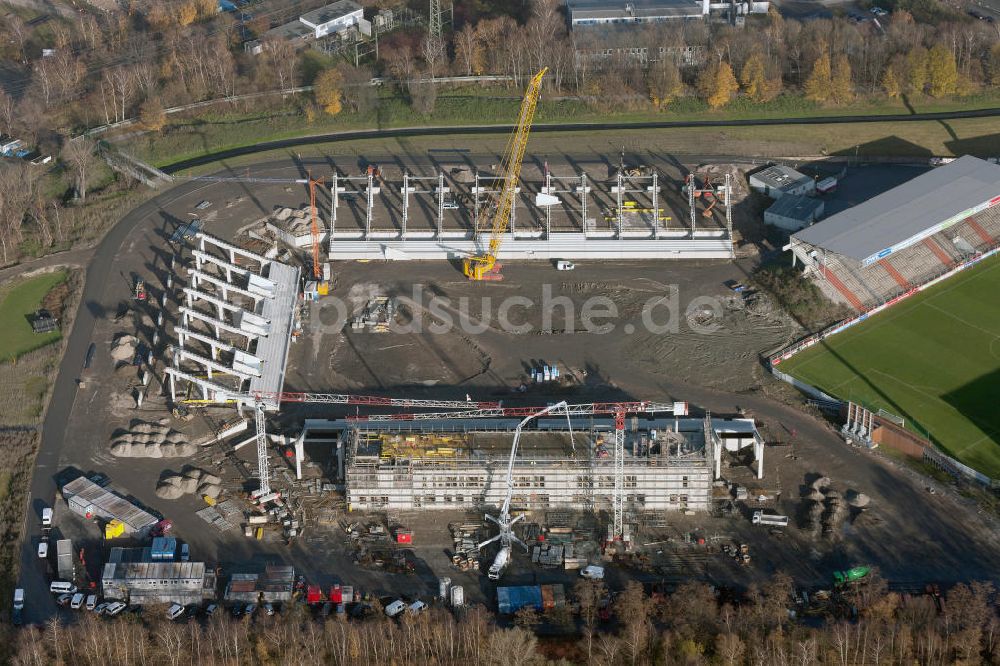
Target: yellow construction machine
{"points": [[484, 266]]}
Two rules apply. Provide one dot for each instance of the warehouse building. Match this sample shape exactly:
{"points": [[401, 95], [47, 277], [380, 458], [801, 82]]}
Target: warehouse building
{"points": [[794, 212], [86, 498], [275, 584], [669, 463], [779, 180], [157, 582]]}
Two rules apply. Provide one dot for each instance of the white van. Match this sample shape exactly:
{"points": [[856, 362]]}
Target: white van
{"points": [[62, 587], [43, 549], [592, 572], [91, 602], [77, 601], [563, 265], [395, 608], [417, 607], [46, 517]]}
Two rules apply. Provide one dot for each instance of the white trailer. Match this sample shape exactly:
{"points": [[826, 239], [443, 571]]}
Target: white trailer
{"points": [[761, 518]]}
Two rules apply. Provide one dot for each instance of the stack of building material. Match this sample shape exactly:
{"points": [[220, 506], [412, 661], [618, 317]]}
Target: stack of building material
{"points": [[548, 555]]}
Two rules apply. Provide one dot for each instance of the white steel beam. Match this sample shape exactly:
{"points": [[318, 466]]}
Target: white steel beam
{"points": [[211, 365], [232, 249], [197, 295], [221, 263], [225, 286], [216, 344], [217, 323], [205, 386]]}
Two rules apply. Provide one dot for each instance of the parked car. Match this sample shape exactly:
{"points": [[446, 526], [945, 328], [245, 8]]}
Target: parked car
{"points": [[417, 607], [46, 517], [395, 608], [593, 572], [269, 609], [210, 609], [91, 602], [175, 611], [62, 587], [43, 549], [114, 608], [101, 607], [64, 599], [563, 265], [77, 601]]}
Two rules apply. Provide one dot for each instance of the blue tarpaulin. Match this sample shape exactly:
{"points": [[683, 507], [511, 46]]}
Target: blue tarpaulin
{"points": [[512, 599], [226, 6]]}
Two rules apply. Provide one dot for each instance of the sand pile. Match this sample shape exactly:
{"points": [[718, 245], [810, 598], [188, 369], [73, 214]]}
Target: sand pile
{"points": [[190, 480], [151, 440]]}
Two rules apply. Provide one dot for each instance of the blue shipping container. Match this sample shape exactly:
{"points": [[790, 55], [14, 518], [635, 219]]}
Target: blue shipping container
{"points": [[163, 548], [512, 599]]}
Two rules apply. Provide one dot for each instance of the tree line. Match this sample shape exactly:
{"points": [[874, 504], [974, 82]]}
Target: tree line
{"points": [[68, 75], [693, 625]]}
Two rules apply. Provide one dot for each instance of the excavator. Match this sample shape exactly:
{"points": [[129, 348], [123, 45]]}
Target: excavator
{"points": [[484, 266]]}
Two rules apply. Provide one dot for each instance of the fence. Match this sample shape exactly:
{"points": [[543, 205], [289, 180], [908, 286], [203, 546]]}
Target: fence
{"points": [[930, 454], [794, 348]]}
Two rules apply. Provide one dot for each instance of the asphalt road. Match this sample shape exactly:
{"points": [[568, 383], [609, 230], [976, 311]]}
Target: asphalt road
{"points": [[402, 132]]}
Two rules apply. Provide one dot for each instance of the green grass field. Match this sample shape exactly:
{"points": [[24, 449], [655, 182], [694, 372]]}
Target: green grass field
{"points": [[933, 359], [18, 300]]}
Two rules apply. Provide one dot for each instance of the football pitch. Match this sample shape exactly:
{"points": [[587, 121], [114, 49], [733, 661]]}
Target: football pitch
{"points": [[933, 359]]}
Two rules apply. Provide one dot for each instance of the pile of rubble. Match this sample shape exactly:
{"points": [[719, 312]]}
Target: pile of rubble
{"points": [[151, 440], [123, 348], [377, 315]]}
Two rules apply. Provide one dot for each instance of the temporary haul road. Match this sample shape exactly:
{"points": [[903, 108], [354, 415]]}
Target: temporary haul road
{"points": [[410, 132]]}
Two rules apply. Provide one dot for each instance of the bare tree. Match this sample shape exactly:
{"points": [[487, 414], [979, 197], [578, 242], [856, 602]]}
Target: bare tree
{"points": [[434, 54], [79, 156]]}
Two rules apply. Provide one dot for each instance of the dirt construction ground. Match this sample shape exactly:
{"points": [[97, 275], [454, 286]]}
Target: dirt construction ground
{"points": [[705, 351]]}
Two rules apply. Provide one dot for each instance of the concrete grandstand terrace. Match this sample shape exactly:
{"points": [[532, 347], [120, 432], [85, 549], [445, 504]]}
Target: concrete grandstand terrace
{"points": [[443, 211], [905, 237]]}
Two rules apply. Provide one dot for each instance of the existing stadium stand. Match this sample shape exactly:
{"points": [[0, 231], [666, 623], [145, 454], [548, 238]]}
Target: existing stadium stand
{"points": [[906, 237]]}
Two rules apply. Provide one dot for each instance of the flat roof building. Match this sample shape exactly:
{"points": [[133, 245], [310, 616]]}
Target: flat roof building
{"points": [[333, 18], [87, 499], [275, 584], [778, 180], [793, 212], [158, 582]]}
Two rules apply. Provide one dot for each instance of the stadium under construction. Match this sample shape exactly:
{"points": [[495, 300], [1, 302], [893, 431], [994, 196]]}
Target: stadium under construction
{"points": [[666, 462]]}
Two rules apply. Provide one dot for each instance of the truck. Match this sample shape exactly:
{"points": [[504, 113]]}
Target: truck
{"points": [[761, 518], [852, 575], [64, 559], [499, 564], [18, 606]]}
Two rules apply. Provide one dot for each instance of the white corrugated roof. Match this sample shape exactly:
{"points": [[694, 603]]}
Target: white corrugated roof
{"points": [[947, 193]]}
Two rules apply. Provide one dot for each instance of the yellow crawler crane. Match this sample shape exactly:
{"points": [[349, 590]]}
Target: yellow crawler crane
{"points": [[484, 266]]}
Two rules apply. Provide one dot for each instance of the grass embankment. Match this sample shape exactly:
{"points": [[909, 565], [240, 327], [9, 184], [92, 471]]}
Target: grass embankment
{"points": [[17, 302], [221, 128], [933, 359]]}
